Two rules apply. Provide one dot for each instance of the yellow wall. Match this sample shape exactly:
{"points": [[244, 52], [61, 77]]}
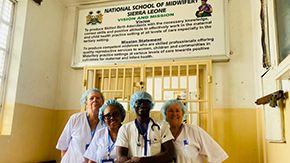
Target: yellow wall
{"points": [[31, 135], [34, 134], [236, 131]]}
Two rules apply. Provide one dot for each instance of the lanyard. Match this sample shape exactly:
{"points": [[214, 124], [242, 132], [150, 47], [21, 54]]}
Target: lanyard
{"points": [[179, 129], [144, 136], [110, 148], [93, 133]]}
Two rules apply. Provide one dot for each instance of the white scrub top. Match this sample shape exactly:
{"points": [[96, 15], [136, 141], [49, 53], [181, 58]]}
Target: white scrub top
{"points": [[75, 138], [193, 143], [98, 148], [128, 138]]}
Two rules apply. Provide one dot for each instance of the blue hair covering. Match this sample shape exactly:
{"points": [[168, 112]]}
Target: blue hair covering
{"points": [[141, 96], [84, 96], [115, 103], [168, 103]]}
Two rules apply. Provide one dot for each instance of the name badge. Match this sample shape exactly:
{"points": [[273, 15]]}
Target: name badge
{"points": [[108, 161]]}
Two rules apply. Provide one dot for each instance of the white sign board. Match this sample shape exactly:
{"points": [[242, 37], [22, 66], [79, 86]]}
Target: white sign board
{"points": [[150, 32]]}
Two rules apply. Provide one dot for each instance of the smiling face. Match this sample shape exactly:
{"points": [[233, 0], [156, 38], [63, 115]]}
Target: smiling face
{"points": [[174, 115], [142, 107], [94, 102], [112, 117]]}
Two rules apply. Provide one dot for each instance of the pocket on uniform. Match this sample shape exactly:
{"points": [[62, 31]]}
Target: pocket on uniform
{"points": [[155, 146]]}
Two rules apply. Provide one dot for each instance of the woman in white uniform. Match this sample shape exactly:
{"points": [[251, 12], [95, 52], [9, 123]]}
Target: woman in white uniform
{"points": [[102, 147], [191, 142], [144, 139], [81, 128]]}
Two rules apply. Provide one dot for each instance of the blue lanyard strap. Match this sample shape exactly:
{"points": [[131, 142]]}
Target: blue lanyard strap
{"points": [[180, 126], [144, 135], [93, 133], [110, 147], [178, 130]]}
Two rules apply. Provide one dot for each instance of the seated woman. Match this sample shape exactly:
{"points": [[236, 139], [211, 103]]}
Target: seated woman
{"points": [[204, 9], [191, 142], [144, 139], [102, 147], [81, 127]]}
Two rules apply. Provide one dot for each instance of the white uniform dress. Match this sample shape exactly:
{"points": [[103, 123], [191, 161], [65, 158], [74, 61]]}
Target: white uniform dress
{"points": [[193, 143], [128, 138], [98, 148], [75, 138]]}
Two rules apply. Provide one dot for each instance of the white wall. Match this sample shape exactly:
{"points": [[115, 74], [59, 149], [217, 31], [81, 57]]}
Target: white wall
{"points": [[39, 64], [233, 82], [70, 80]]}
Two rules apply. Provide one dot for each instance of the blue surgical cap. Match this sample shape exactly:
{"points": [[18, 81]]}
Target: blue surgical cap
{"points": [[141, 96], [115, 103], [168, 103], [84, 96]]}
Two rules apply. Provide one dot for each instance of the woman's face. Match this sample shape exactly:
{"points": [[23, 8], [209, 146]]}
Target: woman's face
{"points": [[112, 116], [94, 102], [174, 114], [203, 2]]}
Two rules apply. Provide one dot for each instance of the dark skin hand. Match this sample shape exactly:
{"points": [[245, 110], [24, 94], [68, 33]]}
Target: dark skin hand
{"points": [[163, 157]]}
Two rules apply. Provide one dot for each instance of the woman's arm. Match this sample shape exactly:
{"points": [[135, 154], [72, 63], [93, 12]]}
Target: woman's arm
{"points": [[208, 11], [90, 161], [63, 153], [163, 157]]}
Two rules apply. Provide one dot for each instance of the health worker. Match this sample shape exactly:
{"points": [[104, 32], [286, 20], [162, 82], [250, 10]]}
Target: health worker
{"points": [[144, 139], [81, 128], [191, 142], [102, 147]]}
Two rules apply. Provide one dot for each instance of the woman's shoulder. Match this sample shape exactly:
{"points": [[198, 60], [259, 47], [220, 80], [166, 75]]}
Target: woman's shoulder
{"points": [[193, 127], [101, 132], [208, 5], [196, 130], [78, 115]]}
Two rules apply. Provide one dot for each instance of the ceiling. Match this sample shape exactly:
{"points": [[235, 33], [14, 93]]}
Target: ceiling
{"points": [[69, 3], [79, 2]]}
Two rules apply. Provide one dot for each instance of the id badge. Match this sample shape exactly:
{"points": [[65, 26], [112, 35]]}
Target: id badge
{"points": [[108, 161]]}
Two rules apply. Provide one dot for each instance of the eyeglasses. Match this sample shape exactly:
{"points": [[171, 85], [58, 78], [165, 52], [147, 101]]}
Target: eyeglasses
{"points": [[114, 115]]}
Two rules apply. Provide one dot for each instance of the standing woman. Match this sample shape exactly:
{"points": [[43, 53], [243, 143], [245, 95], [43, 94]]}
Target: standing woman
{"points": [[191, 142], [81, 127], [102, 147]]}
